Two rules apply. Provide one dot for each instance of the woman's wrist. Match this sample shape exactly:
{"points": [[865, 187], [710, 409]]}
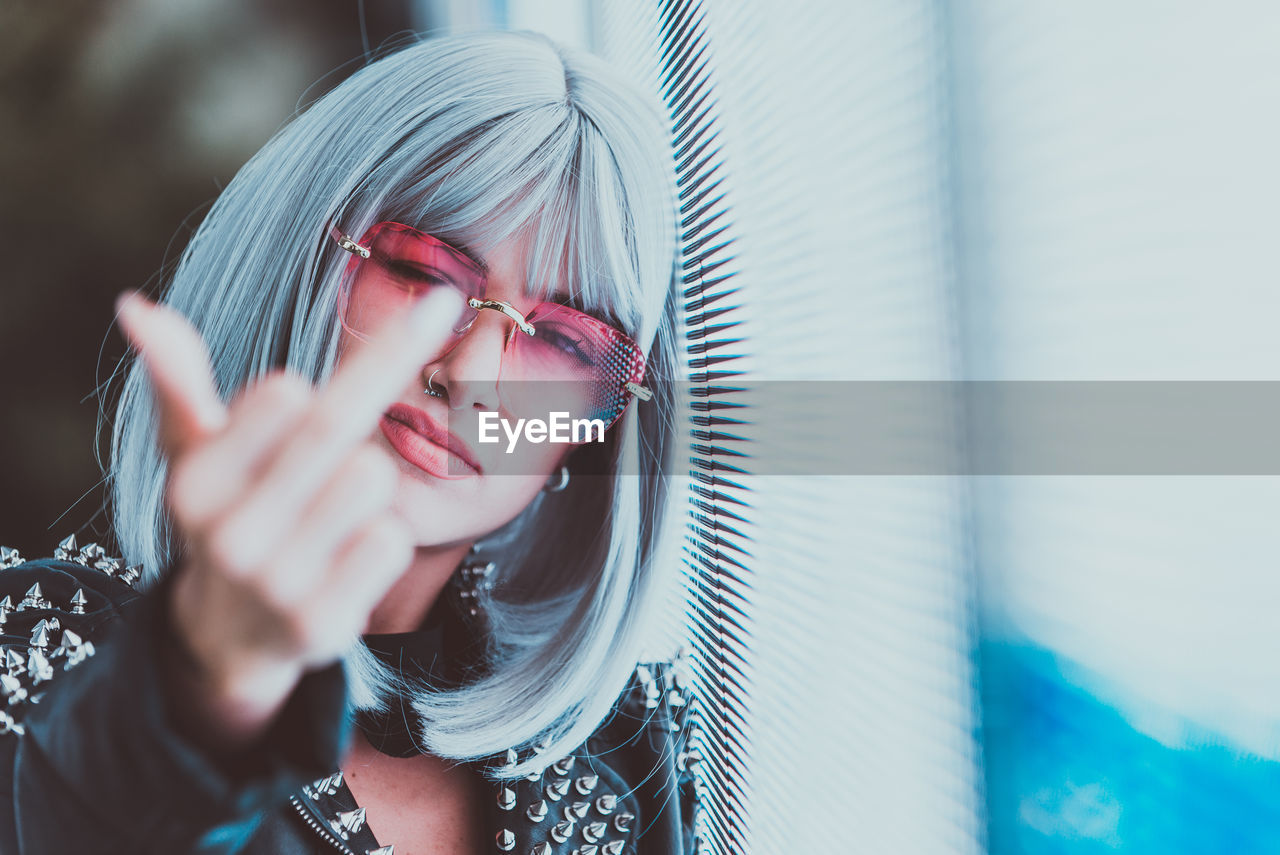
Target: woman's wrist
{"points": [[223, 711]]}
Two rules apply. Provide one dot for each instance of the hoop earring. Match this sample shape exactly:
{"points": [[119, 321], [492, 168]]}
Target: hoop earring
{"points": [[431, 387], [562, 481]]}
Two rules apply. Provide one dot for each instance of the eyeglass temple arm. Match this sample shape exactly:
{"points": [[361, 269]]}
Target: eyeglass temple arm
{"points": [[348, 244], [639, 391]]}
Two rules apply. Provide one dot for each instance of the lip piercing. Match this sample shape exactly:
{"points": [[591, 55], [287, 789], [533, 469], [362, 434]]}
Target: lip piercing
{"points": [[431, 390]]}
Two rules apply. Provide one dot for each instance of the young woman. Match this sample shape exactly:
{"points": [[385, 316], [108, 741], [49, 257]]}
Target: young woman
{"points": [[357, 625]]}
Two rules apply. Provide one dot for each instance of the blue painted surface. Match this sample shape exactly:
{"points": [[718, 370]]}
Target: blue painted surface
{"points": [[1066, 773]]}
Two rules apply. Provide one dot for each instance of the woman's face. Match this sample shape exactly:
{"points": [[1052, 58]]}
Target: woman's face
{"points": [[454, 488]]}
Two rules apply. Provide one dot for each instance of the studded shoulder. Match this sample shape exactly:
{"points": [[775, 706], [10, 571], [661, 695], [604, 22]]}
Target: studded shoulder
{"points": [[668, 693], [50, 608], [664, 684], [603, 798]]}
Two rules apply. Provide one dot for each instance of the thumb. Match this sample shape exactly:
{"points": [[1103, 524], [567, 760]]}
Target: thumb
{"points": [[177, 361]]}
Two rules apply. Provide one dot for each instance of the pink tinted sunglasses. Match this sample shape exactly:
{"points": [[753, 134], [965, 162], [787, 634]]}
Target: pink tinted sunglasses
{"points": [[554, 357]]}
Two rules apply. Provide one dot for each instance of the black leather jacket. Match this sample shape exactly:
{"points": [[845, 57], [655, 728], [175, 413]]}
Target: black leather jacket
{"points": [[93, 764]]}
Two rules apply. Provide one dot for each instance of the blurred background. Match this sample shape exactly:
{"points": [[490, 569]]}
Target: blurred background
{"points": [[119, 123], [903, 191]]}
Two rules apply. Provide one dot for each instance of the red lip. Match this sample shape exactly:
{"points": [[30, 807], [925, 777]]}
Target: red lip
{"points": [[421, 423]]}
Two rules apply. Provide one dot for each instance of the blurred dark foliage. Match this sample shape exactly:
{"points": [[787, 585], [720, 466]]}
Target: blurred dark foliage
{"points": [[119, 122]]}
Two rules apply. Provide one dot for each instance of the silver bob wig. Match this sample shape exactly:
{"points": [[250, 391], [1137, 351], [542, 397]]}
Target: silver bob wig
{"points": [[475, 138]]}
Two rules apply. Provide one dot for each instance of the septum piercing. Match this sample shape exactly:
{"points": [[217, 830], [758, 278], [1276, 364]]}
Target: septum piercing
{"points": [[430, 390]]}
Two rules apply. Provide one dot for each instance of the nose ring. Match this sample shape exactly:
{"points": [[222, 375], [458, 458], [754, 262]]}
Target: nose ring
{"points": [[431, 386]]}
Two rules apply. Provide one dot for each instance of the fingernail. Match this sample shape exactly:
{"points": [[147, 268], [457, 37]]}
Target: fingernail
{"points": [[128, 301], [130, 315]]}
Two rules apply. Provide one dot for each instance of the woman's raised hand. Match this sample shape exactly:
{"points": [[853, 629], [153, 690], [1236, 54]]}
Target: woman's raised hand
{"points": [[283, 504]]}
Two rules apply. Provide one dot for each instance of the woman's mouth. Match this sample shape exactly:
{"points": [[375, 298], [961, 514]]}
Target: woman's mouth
{"points": [[425, 444]]}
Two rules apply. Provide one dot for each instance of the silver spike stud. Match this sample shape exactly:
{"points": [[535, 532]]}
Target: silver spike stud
{"points": [[38, 666], [586, 784], [33, 599], [8, 725], [563, 767], [623, 821], [593, 831], [613, 848], [326, 786], [9, 557], [13, 662], [541, 746], [66, 548], [78, 602], [506, 798], [381, 850], [512, 758], [543, 848], [39, 635], [688, 759], [607, 803], [556, 789], [578, 810], [562, 831], [6, 605], [109, 566], [537, 811], [73, 649], [589, 849], [348, 822], [91, 552], [130, 574], [506, 840], [12, 688]]}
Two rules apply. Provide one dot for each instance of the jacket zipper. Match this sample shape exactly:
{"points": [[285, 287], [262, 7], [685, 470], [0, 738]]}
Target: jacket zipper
{"points": [[318, 828]]}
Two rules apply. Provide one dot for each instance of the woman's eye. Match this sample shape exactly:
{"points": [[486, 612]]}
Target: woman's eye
{"points": [[563, 341], [407, 271]]}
